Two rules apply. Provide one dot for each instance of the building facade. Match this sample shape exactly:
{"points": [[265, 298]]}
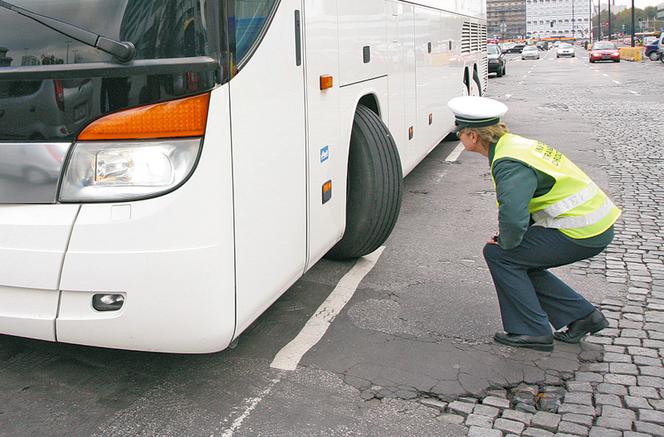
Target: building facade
{"points": [[506, 19], [558, 18]]}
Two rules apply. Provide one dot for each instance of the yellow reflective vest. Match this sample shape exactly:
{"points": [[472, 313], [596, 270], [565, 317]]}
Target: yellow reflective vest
{"points": [[574, 205]]}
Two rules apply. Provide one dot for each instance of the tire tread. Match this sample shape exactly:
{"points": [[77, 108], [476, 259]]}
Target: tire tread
{"points": [[385, 167]]}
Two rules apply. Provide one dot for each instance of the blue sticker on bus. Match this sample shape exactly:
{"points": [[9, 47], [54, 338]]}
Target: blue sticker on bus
{"points": [[324, 154]]}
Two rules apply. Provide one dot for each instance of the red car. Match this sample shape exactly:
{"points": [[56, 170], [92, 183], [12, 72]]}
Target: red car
{"points": [[604, 51]]}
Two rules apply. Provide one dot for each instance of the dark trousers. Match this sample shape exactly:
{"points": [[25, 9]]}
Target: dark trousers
{"points": [[531, 298]]}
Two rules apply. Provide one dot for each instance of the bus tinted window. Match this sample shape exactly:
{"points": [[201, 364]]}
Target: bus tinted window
{"points": [[158, 28], [250, 17]]}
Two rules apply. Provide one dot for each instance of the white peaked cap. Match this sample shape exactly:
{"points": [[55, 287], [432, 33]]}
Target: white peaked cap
{"points": [[472, 111]]}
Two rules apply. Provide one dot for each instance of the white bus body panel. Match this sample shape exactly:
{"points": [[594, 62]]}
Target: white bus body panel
{"points": [[269, 165], [362, 24], [171, 256], [33, 242], [28, 312], [327, 146], [402, 79]]}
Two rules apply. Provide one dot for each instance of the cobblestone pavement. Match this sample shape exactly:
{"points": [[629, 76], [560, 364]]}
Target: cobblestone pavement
{"points": [[622, 392]]}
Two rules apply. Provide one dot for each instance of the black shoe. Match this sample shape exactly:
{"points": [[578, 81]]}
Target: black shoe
{"points": [[540, 342], [592, 323]]}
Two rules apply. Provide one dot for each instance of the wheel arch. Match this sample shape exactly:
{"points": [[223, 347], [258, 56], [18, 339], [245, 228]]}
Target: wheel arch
{"points": [[370, 100]]}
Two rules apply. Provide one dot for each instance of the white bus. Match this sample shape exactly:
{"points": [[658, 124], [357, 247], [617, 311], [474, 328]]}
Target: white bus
{"points": [[168, 168]]}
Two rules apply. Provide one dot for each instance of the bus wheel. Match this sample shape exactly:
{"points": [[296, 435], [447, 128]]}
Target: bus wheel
{"points": [[375, 185], [465, 91], [475, 87]]}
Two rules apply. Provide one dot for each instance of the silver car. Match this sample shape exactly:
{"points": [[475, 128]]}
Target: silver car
{"points": [[565, 49], [530, 52]]}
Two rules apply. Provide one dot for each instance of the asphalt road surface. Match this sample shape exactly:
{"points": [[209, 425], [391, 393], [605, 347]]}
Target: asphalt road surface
{"points": [[417, 328]]}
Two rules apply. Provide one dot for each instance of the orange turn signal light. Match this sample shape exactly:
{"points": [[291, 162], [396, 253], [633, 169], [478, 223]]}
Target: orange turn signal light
{"points": [[180, 118], [326, 82], [327, 191]]}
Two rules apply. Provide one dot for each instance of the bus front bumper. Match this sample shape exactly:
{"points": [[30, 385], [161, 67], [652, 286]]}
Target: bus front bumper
{"points": [[165, 256]]}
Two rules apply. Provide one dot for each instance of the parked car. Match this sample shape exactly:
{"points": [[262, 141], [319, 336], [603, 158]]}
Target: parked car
{"points": [[651, 50], [44, 109], [505, 46], [497, 61], [604, 51], [565, 49], [530, 52], [654, 49], [516, 48], [542, 45]]}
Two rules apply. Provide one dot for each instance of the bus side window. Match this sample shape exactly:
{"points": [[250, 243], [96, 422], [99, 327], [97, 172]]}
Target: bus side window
{"points": [[250, 17]]}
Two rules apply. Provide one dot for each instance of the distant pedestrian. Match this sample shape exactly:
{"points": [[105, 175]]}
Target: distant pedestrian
{"points": [[550, 214]]}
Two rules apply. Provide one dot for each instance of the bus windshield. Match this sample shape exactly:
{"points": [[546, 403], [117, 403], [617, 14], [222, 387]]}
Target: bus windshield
{"points": [[158, 28]]}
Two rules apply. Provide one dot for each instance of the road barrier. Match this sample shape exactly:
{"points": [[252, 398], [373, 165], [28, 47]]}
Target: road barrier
{"points": [[631, 53]]}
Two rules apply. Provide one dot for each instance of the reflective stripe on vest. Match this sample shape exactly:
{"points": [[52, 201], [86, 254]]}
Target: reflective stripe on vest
{"points": [[574, 205], [580, 221], [567, 204]]}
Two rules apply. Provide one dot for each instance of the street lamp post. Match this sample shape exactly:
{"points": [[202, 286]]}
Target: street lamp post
{"points": [[599, 22], [609, 20], [590, 20], [572, 18], [632, 23], [67, 42]]}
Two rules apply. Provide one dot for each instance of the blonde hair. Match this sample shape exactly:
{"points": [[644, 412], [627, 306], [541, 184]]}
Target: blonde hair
{"points": [[488, 134]]}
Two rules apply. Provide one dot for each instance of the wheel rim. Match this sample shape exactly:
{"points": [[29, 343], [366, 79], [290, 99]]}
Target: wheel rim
{"points": [[474, 88]]}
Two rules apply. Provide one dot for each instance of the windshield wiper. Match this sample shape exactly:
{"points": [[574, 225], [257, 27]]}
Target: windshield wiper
{"points": [[124, 51]]}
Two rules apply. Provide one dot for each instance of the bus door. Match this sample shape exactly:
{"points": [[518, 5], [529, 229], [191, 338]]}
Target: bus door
{"points": [[269, 166], [327, 150], [403, 82]]}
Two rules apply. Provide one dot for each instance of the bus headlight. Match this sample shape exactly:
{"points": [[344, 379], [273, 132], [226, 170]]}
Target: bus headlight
{"points": [[122, 171]]}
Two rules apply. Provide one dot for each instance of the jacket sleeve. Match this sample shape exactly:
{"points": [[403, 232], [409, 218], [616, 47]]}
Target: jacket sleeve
{"points": [[515, 185]]}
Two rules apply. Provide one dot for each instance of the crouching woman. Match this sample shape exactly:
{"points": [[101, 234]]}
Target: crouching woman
{"points": [[550, 214]]}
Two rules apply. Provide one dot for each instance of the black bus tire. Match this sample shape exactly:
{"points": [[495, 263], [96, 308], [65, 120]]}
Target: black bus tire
{"points": [[476, 79], [374, 190]]}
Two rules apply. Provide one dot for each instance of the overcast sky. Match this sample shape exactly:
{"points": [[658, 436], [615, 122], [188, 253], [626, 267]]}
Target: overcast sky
{"points": [[641, 4]]}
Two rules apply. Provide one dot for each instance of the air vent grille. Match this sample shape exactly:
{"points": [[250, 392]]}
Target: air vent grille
{"points": [[465, 37], [473, 37]]}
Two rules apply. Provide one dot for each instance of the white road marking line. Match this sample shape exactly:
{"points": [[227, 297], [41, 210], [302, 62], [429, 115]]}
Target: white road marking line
{"points": [[616, 82], [633, 92], [455, 153], [605, 75], [507, 96], [253, 402], [291, 354], [524, 76]]}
